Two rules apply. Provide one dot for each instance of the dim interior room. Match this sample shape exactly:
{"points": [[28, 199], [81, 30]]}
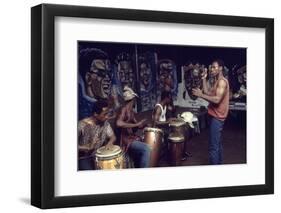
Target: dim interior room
{"points": [[15, 108]]}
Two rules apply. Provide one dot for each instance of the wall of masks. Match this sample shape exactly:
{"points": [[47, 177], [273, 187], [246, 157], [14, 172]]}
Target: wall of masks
{"points": [[105, 68]]}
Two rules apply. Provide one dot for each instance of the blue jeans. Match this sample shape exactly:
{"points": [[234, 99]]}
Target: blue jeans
{"points": [[215, 143], [86, 163], [140, 153]]}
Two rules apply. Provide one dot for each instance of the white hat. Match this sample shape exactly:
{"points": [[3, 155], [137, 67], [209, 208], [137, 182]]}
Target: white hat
{"points": [[188, 118], [129, 94]]}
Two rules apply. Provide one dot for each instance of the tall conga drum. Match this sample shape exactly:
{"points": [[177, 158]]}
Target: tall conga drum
{"points": [[111, 158], [178, 126], [181, 127], [175, 148], [153, 138]]}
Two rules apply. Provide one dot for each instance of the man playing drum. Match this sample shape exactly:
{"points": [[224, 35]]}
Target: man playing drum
{"points": [[159, 112], [129, 141], [94, 132]]}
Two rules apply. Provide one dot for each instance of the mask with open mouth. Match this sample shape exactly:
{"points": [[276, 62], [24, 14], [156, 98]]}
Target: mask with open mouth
{"points": [[145, 75], [101, 78], [95, 69], [192, 78], [166, 74], [124, 72]]}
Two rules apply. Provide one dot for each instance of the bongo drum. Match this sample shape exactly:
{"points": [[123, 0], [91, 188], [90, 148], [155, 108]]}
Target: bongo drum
{"points": [[153, 137], [109, 158], [175, 148]]}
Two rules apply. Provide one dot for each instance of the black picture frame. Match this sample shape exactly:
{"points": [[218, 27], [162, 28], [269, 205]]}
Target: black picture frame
{"points": [[43, 105]]}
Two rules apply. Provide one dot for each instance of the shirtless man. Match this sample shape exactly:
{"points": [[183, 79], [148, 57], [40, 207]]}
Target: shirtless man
{"points": [[218, 97]]}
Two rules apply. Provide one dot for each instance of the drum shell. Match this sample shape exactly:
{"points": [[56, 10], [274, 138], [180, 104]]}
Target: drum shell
{"points": [[181, 129], [175, 151], [153, 138], [113, 162], [178, 128]]}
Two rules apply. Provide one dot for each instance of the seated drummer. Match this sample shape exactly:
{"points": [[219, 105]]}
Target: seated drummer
{"points": [[94, 132], [129, 141], [159, 113]]}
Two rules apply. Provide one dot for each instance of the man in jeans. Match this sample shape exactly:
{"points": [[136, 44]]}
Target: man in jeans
{"points": [[129, 141], [218, 96]]}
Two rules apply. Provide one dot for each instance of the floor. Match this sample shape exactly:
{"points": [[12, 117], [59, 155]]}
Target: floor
{"points": [[234, 143]]}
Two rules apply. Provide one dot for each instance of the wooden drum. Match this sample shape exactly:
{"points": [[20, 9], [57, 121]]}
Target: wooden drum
{"points": [[175, 148], [178, 126], [109, 158], [153, 137]]}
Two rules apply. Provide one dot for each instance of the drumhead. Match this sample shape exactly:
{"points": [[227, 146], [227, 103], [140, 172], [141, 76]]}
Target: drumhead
{"points": [[151, 129], [177, 122], [176, 138], [102, 152]]}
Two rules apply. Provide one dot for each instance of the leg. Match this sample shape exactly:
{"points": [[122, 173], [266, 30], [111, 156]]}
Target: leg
{"points": [[140, 152], [215, 145], [86, 164]]}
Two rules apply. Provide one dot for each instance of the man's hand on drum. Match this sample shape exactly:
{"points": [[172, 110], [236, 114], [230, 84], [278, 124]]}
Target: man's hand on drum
{"points": [[141, 123], [108, 146]]}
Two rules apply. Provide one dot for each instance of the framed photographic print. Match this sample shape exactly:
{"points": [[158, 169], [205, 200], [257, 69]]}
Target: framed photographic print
{"points": [[122, 98]]}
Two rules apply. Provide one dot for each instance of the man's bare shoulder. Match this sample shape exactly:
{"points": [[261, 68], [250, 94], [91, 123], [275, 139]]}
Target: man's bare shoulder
{"points": [[88, 120], [223, 82]]}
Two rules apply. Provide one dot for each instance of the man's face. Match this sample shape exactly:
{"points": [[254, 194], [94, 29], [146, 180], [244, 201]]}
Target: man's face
{"points": [[103, 115], [168, 99], [215, 69], [125, 74], [99, 78]]}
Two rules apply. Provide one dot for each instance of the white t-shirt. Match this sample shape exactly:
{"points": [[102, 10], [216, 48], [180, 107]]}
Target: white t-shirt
{"points": [[163, 112]]}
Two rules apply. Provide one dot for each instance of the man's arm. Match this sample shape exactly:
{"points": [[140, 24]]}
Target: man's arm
{"points": [[205, 87], [82, 147], [220, 91], [205, 83], [122, 124], [111, 136], [156, 116]]}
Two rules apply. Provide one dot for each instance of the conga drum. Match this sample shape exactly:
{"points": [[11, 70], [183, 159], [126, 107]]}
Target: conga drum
{"points": [[175, 148], [111, 158], [153, 138], [178, 126]]}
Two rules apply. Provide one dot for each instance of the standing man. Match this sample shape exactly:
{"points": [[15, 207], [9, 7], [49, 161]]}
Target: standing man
{"points": [[129, 141], [94, 132], [218, 97]]}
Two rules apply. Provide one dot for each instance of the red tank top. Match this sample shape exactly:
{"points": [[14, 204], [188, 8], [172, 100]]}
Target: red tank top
{"points": [[220, 110]]}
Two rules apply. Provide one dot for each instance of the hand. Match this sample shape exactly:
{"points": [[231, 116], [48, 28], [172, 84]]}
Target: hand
{"points": [[197, 92], [204, 74], [141, 123], [108, 146]]}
